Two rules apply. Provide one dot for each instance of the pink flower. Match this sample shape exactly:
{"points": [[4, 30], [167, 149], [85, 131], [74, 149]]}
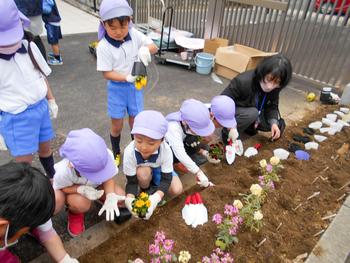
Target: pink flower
{"points": [[218, 251], [153, 249], [261, 180], [206, 260], [233, 231], [159, 237], [271, 185], [230, 210], [168, 245], [168, 257], [269, 168], [155, 260], [217, 218]]}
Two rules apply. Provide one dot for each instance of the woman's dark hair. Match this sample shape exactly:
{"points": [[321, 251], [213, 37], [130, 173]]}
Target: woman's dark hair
{"points": [[278, 66], [27, 198], [123, 20]]}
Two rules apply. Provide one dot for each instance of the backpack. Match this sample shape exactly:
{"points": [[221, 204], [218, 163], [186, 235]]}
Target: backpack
{"points": [[47, 6]]}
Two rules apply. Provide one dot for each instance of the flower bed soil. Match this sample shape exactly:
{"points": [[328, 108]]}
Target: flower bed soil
{"points": [[294, 237]]}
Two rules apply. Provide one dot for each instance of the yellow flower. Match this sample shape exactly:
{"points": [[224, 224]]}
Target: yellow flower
{"points": [[184, 256], [274, 160], [258, 215], [139, 203], [256, 189], [263, 163], [143, 195], [143, 81], [148, 203], [238, 204], [138, 85]]}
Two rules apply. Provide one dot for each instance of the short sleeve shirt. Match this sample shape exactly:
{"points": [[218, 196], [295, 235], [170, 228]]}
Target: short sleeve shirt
{"points": [[21, 84], [121, 60], [164, 160]]}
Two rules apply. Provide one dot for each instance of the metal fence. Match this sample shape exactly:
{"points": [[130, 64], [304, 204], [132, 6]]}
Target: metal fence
{"points": [[314, 34]]}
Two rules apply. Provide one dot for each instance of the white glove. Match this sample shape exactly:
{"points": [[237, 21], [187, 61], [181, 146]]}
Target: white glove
{"points": [[144, 55], [233, 135], [203, 180], [111, 206], [155, 199], [68, 259], [53, 108], [210, 160], [128, 203], [130, 78], [90, 192], [3, 146]]}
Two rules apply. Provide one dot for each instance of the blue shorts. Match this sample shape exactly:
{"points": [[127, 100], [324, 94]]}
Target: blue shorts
{"points": [[156, 175], [122, 97], [24, 131], [53, 33]]}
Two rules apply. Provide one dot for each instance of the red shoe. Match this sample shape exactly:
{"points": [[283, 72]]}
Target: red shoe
{"points": [[7, 257], [75, 224], [180, 168]]}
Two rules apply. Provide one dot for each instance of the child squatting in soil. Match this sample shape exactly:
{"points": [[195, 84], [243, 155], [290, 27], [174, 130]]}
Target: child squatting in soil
{"points": [[27, 204], [256, 95], [86, 174], [186, 127], [26, 99], [148, 161], [120, 45]]}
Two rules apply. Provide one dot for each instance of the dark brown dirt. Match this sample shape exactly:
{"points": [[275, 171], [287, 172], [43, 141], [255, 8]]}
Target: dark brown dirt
{"points": [[294, 237]]}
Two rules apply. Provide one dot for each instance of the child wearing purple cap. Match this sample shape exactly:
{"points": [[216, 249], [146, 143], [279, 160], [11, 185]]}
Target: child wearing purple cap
{"points": [[86, 173], [28, 206], [120, 45], [186, 127], [256, 94], [26, 99], [148, 161]]}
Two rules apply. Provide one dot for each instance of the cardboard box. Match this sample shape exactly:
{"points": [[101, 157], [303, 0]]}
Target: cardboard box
{"points": [[232, 60], [211, 45]]}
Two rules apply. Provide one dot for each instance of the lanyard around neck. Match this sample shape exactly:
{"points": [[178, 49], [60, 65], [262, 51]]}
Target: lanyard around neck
{"points": [[262, 103]]}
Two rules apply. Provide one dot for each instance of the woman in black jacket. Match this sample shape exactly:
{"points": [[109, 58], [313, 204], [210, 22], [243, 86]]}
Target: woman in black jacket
{"points": [[256, 95]]}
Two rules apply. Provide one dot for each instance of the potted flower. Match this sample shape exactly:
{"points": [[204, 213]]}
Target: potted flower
{"points": [[141, 204]]}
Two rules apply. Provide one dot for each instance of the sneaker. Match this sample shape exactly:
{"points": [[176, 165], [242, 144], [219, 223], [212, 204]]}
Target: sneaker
{"points": [[54, 61], [75, 224], [199, 159], [117, 160], [7, 257], [50, 55]]}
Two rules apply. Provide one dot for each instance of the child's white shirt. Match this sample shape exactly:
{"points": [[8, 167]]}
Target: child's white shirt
{"points": [[121, 60], [164, 160], [21, 84], [175, 137], [65, 175]]}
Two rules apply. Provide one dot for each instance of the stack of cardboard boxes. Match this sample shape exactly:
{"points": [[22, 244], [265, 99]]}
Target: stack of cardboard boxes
{"points": [[232, 60]]}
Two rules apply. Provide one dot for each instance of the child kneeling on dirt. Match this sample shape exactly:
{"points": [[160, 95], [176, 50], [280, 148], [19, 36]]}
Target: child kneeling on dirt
{"points": [[148, 161], [186, 127], [27, 201], [86, 174]]}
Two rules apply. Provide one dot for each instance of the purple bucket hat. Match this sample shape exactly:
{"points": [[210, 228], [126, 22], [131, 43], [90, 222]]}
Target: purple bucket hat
{"points": [[151, 124], [12, 22], [224, 109], [88, 153], [196, 115], [111, 9]]}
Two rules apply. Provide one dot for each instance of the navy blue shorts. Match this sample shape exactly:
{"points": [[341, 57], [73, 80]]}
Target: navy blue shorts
{"points": [[53, 34]]}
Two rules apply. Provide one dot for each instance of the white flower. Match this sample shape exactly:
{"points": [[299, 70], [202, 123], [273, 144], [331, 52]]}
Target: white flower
{"points": [[256, 189], [263, 163], [238, 204], [274, 160], [258, 215], [184, 256]]}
